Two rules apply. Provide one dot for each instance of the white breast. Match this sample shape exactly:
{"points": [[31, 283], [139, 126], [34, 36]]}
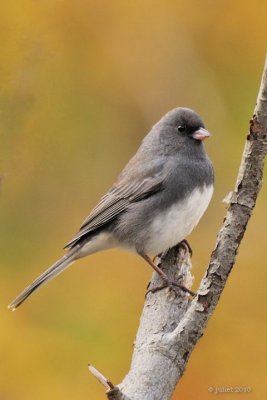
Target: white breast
{"points": [[175, 224]]}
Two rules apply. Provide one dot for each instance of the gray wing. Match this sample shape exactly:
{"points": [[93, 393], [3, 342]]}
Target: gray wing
{"points": [[119, 197]]}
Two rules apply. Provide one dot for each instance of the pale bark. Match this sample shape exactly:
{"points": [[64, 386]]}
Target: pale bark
{"points": [[171, 325]]}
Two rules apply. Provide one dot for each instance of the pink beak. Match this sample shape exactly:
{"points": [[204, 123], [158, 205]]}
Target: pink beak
{"points": [[201, 134]]}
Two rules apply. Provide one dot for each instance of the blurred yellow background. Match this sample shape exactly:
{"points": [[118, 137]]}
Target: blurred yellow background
{"points": [[81, 83]]}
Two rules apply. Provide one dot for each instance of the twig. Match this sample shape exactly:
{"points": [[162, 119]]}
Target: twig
{"points": [[102, 379], [112, 392]]}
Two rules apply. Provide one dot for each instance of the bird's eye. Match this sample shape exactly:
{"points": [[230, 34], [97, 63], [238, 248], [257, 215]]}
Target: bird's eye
{"points": [[181, 128]]}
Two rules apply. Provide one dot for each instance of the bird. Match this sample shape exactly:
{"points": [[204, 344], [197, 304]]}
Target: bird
{"points": [[154, 204]]}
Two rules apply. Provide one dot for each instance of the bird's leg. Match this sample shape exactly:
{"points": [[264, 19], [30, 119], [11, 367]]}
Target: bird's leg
{"points": [[168, 283]]}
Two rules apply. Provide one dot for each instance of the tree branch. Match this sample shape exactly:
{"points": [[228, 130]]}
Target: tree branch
{"points": [[170, 326]]}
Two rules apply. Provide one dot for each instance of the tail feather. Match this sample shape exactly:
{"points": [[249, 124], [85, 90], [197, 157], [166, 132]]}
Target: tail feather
{"points": [[45, 277]]}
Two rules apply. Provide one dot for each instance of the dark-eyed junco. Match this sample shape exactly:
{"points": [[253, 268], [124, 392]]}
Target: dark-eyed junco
{"points": [[156, 201]]}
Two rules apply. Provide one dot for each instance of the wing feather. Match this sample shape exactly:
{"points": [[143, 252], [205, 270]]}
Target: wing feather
{"points": [[116, 201]]}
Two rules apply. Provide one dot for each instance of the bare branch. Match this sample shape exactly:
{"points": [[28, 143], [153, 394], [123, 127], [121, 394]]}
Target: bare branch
{"points": [[170, 325]]}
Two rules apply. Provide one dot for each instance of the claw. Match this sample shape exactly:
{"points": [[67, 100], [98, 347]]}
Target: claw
{"points": [[172, 286]]}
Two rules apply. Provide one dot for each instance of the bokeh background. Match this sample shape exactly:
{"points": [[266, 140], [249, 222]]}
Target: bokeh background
{"points": [[81, 82]]}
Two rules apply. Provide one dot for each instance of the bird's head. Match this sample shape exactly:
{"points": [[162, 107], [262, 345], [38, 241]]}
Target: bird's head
{"points": [[186, 122]]}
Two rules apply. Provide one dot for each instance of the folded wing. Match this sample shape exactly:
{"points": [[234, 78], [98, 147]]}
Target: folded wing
{"points": [[118, 199]]}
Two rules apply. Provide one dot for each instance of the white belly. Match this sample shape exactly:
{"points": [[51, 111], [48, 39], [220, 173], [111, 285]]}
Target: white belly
{"points": [[175, 224]]}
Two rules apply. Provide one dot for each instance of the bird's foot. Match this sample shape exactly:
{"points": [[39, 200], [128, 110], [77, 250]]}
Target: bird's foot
{"points": [[167, 283], [175, 287]]}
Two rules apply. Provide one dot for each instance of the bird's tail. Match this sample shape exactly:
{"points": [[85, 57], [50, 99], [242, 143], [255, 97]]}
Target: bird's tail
{"points": [[45, 277]]}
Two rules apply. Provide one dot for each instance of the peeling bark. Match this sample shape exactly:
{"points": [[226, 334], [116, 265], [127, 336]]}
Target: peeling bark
{"points": [[170, 325]]}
